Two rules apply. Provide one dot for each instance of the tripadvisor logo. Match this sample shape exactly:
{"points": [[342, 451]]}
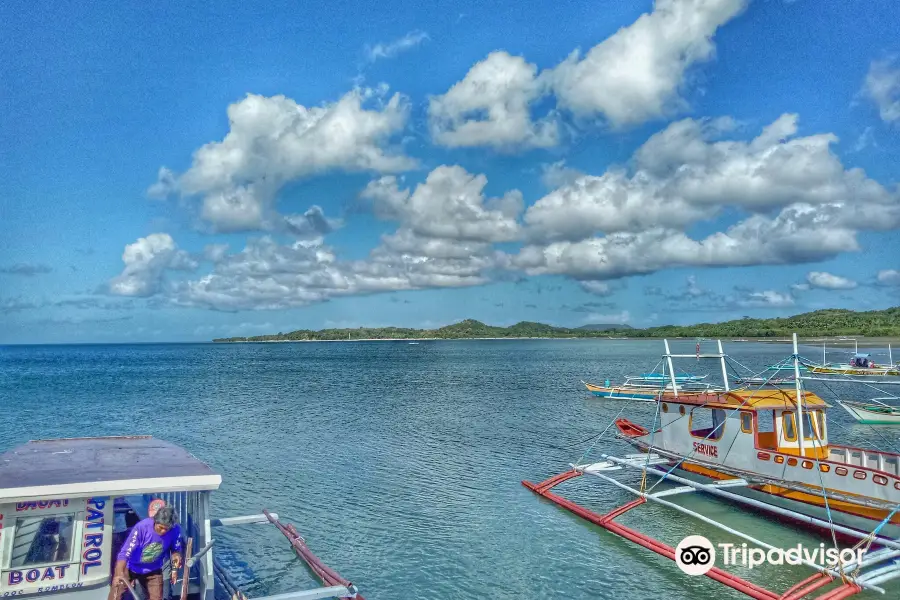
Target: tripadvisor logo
{"points": [[696, 555]]}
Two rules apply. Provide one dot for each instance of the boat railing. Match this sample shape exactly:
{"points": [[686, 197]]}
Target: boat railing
{"points": [[867, 459]]}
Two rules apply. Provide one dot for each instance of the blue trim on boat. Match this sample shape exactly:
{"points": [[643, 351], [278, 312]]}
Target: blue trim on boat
{"points": [[623, 395]]}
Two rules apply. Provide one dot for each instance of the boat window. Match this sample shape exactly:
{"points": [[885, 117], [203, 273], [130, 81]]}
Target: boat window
{"points": [[820, 419], [42, 540], [790, 433], [665, 407], [681, 410], [707, 423], [808, 431], [746, 422]]}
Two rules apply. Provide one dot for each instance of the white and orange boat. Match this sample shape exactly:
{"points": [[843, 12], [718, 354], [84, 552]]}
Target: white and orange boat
{"points": [[765, 449]]}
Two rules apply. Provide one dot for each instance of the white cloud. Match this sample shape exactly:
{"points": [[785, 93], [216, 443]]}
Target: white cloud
{"points": [[215, 252], [395, 47], [827, 281], [609, 319], [491, 107], [636, 74], [882, 86], [274, 140], [555, 175], [685, 174], [146, 260], [598, 288], [450, 204], [633, 76], [888, 277], [766, 299]]}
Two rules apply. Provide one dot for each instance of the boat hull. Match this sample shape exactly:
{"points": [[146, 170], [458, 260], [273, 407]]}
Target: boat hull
{"points": [[872, 417], [612, 393], [805, 506], [856, 371]]}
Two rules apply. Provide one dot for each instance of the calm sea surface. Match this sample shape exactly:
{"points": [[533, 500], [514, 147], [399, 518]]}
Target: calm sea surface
{"points": [[401, 464]]}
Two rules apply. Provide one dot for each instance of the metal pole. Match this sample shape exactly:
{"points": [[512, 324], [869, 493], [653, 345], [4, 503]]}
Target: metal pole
{"points": [[671, 368], [890, 357], [823, 354], [722, 360], [799, 394]]}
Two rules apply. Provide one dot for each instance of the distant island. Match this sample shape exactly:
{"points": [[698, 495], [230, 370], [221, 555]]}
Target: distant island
{"points": [[832, 322]]}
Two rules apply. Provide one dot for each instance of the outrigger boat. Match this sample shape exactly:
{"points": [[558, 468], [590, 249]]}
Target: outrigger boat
{"points": [[647, 386], [764, 381], [873, 412], [860, 364], [765, 449], [65, 506]]}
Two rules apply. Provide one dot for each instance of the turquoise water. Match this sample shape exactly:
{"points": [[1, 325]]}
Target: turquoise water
{"points": [[400, 464]]}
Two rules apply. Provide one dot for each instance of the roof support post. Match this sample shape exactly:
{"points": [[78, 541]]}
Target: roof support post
{"points": [[799, 387]]}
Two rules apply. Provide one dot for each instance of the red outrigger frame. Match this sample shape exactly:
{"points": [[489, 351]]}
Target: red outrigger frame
{"points": [[326, 574], [607, 521]]}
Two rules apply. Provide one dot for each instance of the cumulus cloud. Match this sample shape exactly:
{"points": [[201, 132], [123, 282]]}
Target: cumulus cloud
{"points": [[888, 277], [146, 260], [765, 299], [393, 48], [491, 106], [25, 269], [803, 205], [598, 288], [450, 204], [827, 281], [633, 76], [446, 230], [274, 140], [636, 74], [882, 86]]}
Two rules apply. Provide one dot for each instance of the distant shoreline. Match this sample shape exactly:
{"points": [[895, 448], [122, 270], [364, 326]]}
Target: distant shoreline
{"points": [[863, 341]]}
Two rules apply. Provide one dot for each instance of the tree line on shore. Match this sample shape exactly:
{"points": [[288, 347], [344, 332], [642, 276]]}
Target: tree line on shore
{"points": [[831, 322]]}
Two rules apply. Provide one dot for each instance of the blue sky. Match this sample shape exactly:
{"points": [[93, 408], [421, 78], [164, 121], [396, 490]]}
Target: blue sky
{"points": [[182, 173]]}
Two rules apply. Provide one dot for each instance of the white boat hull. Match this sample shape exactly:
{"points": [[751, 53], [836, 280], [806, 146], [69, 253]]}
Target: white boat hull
{"points": [[872, 417], [858, 523]]}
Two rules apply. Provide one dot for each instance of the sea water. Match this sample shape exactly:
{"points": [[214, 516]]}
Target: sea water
{"points": [[401, 464]]}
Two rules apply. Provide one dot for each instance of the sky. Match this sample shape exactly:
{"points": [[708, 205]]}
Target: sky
{"points": [[181, 171]]}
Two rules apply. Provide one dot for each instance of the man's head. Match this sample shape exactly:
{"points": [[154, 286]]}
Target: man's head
{"points": [[164, 520]]}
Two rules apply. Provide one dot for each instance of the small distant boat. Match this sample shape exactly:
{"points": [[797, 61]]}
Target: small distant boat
{"points": [[873, 412], [764, 381], [860, 364], [414, 343]]}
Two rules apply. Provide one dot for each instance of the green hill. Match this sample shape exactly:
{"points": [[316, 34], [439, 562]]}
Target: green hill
{"points": [[874, 323]]}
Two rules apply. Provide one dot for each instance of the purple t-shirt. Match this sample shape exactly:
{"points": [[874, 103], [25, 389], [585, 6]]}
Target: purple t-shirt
{"points": [[144, 550]]}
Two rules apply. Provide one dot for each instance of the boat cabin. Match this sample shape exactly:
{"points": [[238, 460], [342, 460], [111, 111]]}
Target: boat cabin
{"points": [[67, 506], [764, 419]]}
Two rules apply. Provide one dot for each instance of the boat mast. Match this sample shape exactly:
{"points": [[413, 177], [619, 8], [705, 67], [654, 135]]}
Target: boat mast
{"points": [[671, 368], [722, 361], [799, 394], [824, 362]]}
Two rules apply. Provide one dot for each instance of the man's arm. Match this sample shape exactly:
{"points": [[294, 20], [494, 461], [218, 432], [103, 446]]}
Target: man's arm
{"points": [[128, 548], [177, 549]]}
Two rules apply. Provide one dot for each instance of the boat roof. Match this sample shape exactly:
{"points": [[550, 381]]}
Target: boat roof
{"points": [[762, 399], [107, 466]]}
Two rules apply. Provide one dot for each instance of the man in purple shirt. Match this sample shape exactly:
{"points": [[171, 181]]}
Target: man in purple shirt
{"points": [[141, 558]]}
